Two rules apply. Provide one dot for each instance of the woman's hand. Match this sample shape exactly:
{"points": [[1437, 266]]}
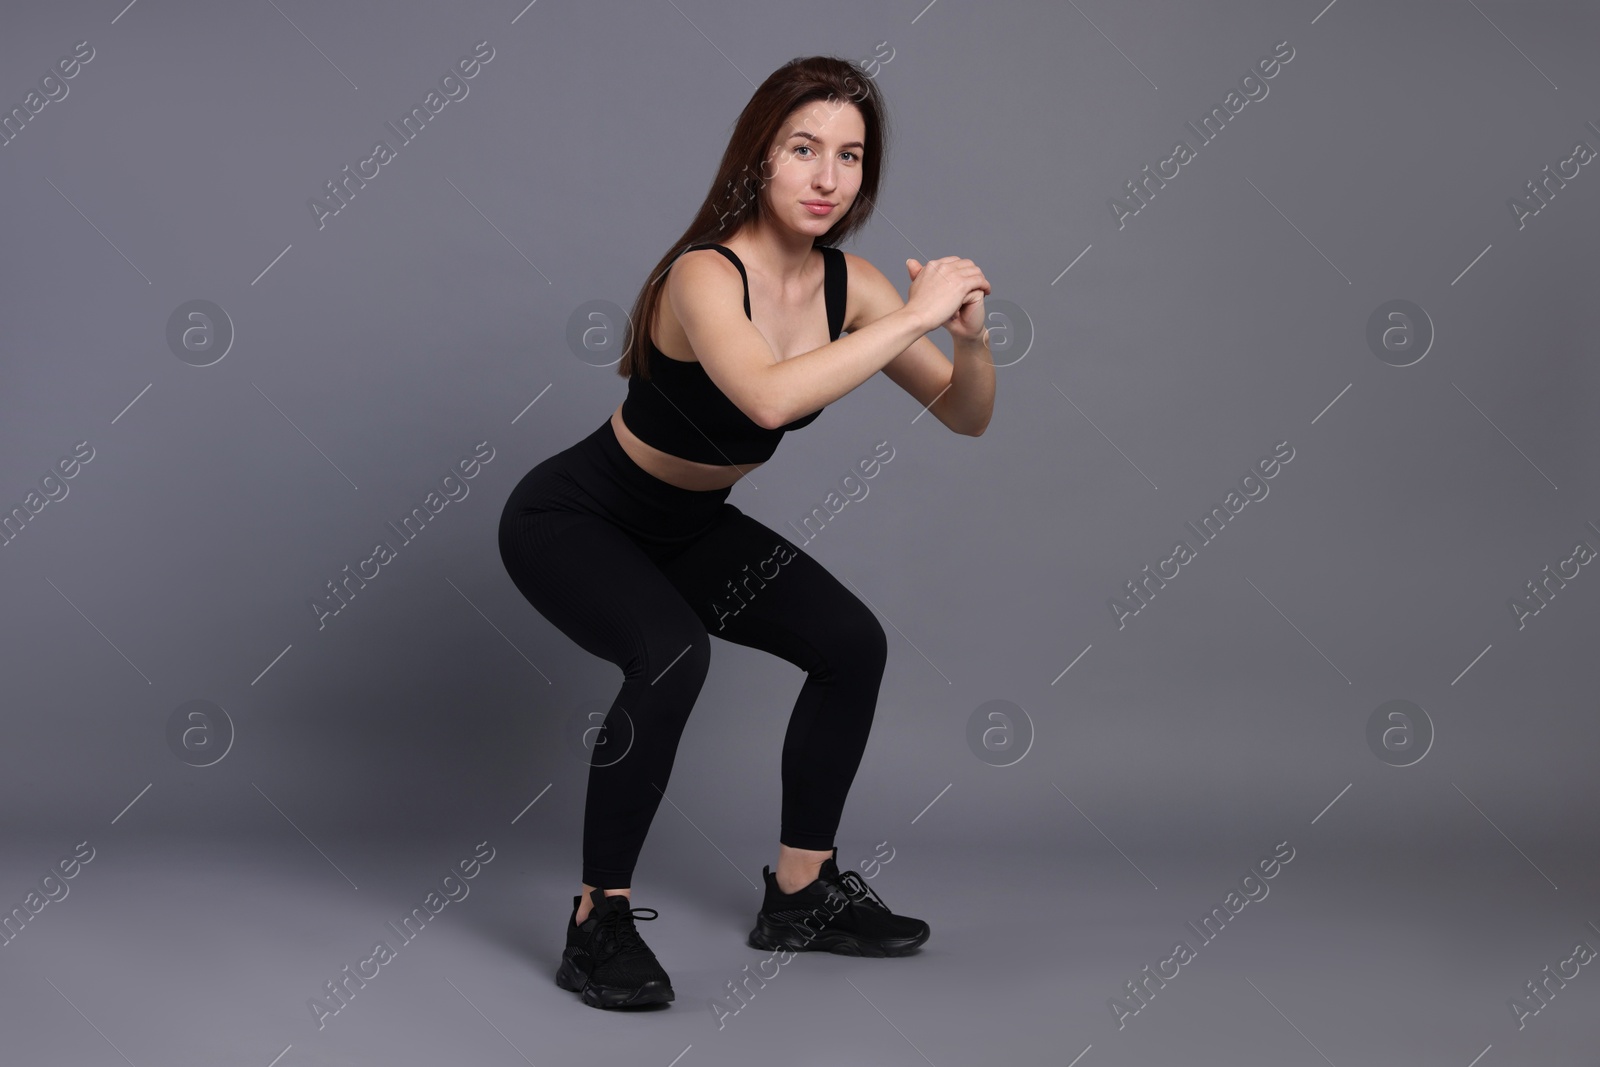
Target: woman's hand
{"points": [[953, 289]]}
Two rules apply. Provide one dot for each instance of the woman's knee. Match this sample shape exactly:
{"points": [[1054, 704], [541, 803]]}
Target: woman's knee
{"points": [[856, 642], [678, 654], [874, 642]]}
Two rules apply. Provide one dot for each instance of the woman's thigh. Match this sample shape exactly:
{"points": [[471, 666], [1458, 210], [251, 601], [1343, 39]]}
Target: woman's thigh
{"points": [[595, 584], [751, 585]]}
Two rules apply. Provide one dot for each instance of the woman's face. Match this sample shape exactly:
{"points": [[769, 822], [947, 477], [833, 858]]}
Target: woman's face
{"points": [[819, 160]]}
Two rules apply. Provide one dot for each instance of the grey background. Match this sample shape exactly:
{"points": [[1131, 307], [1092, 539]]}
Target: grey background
{"points": [[1226, 316]]}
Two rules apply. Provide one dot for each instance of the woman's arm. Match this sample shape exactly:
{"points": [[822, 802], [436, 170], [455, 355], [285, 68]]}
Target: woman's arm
{"points": [[960, 396], [707, 295]]}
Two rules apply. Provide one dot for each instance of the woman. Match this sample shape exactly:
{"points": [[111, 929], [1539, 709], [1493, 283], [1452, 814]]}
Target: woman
{"points": [[626, 541]]}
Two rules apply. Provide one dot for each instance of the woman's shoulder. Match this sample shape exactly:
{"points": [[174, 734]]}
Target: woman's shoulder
{"points": [[703, 266], [699, 282], [708, 258]]}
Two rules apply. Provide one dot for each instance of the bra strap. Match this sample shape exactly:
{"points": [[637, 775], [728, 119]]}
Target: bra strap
{"points": [[835, 279]]}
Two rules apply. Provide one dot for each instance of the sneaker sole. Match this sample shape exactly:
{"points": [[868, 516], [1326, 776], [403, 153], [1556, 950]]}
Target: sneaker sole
{"points": [[602, 996], [770, 936]]}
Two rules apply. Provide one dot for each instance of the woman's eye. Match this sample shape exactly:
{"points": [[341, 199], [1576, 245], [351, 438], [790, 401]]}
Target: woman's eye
{"points": [[807, 148]]}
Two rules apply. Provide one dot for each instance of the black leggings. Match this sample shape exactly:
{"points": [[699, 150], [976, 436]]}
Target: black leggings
{"points": [[640, 572]]}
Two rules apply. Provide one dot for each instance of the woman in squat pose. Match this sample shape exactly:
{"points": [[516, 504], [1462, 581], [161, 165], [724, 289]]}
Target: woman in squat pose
{"points": [[626, 542]]}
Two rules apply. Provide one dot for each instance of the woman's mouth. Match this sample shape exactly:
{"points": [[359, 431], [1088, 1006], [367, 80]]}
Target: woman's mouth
{"points": [[818, 207]]}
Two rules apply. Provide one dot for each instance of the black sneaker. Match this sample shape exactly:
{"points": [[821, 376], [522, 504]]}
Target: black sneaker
{"points": [[838, 912], [606, 961]]}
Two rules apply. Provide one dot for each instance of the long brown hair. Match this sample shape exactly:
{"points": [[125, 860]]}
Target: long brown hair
{"points": [[735, 195]]}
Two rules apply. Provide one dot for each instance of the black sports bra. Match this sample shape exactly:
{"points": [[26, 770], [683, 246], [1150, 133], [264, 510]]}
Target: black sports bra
{"points": [[681, 411]]}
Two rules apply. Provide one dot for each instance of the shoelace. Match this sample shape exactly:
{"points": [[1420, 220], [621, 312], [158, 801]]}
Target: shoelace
{"points": [[862, 892], [624, 936]]}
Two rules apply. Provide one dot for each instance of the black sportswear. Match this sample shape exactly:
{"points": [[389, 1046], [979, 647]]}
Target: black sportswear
{"points": [[643, 573], [681, 411]]}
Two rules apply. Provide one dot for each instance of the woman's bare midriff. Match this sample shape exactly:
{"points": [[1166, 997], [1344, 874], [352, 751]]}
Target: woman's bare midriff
{"points": [[675, 470]]}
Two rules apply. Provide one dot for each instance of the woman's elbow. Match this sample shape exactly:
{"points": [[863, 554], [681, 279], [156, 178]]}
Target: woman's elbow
{"points": [[974, 430], [765, 415]]}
